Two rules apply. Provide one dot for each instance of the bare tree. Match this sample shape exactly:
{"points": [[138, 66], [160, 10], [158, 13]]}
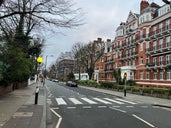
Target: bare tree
{"points": [[24, 16]]}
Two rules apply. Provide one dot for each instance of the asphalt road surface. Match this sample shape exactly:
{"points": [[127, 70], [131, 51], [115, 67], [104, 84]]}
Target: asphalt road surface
{"points": [[72, 107]]}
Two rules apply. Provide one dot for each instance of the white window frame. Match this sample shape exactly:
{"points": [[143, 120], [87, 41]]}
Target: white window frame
{"points": [[147, 75], [169, 75], [155, 75], [161, 75]]}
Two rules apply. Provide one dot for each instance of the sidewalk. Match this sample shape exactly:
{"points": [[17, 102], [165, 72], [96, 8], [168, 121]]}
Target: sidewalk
{"points": [[133, 97], [17, 109]]}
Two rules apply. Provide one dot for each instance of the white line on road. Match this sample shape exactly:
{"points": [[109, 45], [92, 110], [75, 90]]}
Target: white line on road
{"points": [[102, 106], [143, 121], [103, 101], [118, 110], [89, 101], [60, 118], [87, 107], [71, 107], [118, 102], [75, 101], [129, 106], [125, 101], [60, 101]]}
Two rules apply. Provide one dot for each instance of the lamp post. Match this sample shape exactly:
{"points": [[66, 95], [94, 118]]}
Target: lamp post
{"points": [[39, 60], [45, 68]]}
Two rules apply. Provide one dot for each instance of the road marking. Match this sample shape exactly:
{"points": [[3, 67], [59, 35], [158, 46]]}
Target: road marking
{"points": [[129, 106], [60, 101], [143, 121], [71, 107], [87, 107], [89, 101], [102, 106], [75, 101], [118, 110], [60, 118], [103, 101], [125, 101], [118, 102], [116, 106]]}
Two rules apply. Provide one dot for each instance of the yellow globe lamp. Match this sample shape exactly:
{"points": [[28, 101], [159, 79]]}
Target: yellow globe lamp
{"points": [[39, 60]]}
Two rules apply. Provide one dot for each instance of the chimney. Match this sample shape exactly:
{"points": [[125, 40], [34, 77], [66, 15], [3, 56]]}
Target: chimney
{"points": [[144, 4]]}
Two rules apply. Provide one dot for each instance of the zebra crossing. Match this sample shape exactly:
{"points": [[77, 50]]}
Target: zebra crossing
{"points": [[92, 101]]}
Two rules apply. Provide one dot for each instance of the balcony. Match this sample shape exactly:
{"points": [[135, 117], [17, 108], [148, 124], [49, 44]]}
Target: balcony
{"points": [[165, 30], [160, 64], [159, 49]]}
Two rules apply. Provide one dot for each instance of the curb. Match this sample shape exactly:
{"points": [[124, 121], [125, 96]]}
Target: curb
{"points": [[43, 120]]}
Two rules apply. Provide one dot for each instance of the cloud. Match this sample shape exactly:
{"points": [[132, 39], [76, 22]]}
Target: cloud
{"points": [[102, 17]]}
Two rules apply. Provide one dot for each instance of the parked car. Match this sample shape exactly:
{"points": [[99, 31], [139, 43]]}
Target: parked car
{"points": [[71, 84]]}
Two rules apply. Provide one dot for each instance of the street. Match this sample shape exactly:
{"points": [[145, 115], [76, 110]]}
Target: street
{"points": [[72, 107]]}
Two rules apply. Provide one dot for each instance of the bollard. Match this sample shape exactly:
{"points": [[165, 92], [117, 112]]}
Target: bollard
{"points": [[124, 92], [36, 95]]}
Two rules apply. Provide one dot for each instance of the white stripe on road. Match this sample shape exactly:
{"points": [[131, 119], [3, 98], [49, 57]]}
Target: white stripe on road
{"points": [[89, 101], [60, 118], [125, 101], [60, 101], [118, 110], [102, 101], [75, 101], [118, 102], [143, 121]]}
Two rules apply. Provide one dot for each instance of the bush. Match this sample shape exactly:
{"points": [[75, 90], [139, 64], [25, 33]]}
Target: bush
{"points": [[160, 90], [91, 82], [130, 82], [106, 85]]}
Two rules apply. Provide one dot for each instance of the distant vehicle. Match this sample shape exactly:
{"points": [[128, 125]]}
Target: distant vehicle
{"points": [[83, 76], [71, 84], [55, 80]]}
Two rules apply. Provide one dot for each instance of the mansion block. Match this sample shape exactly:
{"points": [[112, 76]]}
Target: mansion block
{"points": [[141, 48]]}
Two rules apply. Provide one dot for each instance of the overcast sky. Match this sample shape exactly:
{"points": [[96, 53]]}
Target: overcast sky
{"points": [[101, 18]]}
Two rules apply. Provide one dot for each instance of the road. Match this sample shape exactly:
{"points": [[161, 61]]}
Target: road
{"points": [[72, 107]]}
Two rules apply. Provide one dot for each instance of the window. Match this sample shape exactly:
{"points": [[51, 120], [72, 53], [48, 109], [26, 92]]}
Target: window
{"points": [[155, 60], [155, 75], [147, 59], [167, 24], [169, 75], [168, 59], [154, 45], [141, 47], [161, 75], [133, 62], [168, 41], [161, 60], [147, 46], [141, 60], [161, 43], [141, 75], [147, 75]]}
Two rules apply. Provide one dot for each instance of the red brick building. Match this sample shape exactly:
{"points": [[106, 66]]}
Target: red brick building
{"points": [[142, 46]]}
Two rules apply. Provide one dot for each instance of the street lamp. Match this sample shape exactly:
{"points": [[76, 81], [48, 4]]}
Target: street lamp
{"points": [[45, 68], [39, 60]]}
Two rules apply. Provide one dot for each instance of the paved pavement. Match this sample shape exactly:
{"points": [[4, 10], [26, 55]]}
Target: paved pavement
{"points": [[133, 97], [18, 108]]}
